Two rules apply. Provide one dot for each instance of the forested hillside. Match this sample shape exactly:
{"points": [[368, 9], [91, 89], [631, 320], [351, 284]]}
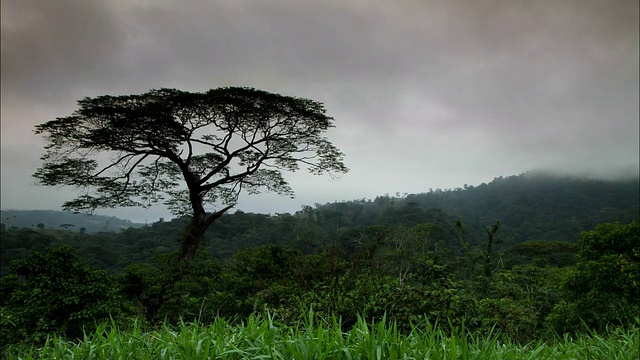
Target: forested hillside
{"points": [[528, 207], [50, 219], [525, 256], [535, 206]]}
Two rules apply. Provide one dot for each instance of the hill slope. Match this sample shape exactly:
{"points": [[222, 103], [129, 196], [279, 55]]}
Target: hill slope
{"points": [[529, 207], [52, 219]]}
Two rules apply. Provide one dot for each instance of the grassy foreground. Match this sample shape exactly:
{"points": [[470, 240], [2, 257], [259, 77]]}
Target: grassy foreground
{"points": [[264, 338]]}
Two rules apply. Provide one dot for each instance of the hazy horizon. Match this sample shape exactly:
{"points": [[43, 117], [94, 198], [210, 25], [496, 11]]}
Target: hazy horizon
{"points": [[425, 94], [160, 212]]}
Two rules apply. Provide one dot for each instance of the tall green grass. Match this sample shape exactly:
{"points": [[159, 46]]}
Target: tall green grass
{"points": [[264, 338]]}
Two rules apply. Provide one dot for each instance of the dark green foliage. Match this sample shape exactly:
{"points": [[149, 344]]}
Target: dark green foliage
{"points": [[311, 229], [516, 301], [391, 256], [535, 206], [166, 289], [602, 290], [512, 320], [141, 285], [55, 293], [554, 253], [405, 274], [8, 284], [492, 240], [17, 244], [258, 277]]}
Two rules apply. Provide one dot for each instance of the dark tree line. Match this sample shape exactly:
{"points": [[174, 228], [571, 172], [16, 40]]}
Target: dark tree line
{"points": [[312, 228]]}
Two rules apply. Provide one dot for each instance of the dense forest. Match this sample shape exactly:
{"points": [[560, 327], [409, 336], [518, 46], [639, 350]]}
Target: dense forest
{"points": [[530, 256], [529, 207]]}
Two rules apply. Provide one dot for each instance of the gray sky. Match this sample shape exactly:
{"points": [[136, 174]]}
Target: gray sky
{"points": [[425, 94]]}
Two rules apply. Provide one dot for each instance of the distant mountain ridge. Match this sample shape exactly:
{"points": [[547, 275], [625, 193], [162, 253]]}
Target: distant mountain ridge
{"points": [[52, 219], [539, 206], [530, 207]]}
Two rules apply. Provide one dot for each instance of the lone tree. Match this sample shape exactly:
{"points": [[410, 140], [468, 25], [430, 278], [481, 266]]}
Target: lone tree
{"points": [[188, 150]]}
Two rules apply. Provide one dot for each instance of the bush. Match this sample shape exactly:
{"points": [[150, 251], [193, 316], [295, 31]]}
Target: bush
{"points": [[602, 290], [513, 320], [56, 293], [166, 289]]}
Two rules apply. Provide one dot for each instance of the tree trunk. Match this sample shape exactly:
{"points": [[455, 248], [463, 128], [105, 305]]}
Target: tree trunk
{"points": [[192, 238], [196, 229]]}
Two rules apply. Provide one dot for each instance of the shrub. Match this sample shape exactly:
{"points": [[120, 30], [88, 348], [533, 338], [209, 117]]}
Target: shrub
{"points": [[602, 290], [56, 293]]}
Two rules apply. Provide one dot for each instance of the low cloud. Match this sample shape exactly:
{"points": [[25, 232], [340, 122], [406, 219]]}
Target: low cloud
{"points": [[424, 93]]}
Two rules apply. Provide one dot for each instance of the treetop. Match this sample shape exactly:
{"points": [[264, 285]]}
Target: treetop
{"points": [[136, 150]]}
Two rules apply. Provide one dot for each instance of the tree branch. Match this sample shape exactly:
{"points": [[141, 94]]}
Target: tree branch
{"points": [[215, 216]]}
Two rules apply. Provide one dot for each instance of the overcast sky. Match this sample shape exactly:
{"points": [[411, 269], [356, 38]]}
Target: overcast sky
{"points": [[425, 94]]}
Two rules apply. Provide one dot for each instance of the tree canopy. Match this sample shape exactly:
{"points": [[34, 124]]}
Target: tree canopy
{"points": [[188, 150]]}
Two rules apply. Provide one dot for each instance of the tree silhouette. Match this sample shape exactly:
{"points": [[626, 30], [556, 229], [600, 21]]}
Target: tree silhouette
{"points": [[188, 150]]}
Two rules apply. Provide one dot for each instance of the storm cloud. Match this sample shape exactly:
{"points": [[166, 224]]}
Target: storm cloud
{"points": [[425, 94]]}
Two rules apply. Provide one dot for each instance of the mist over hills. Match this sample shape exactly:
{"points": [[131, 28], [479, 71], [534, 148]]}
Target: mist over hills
{"points": [[525, 203], [52, 219], [530, 207], [536, 205]]}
